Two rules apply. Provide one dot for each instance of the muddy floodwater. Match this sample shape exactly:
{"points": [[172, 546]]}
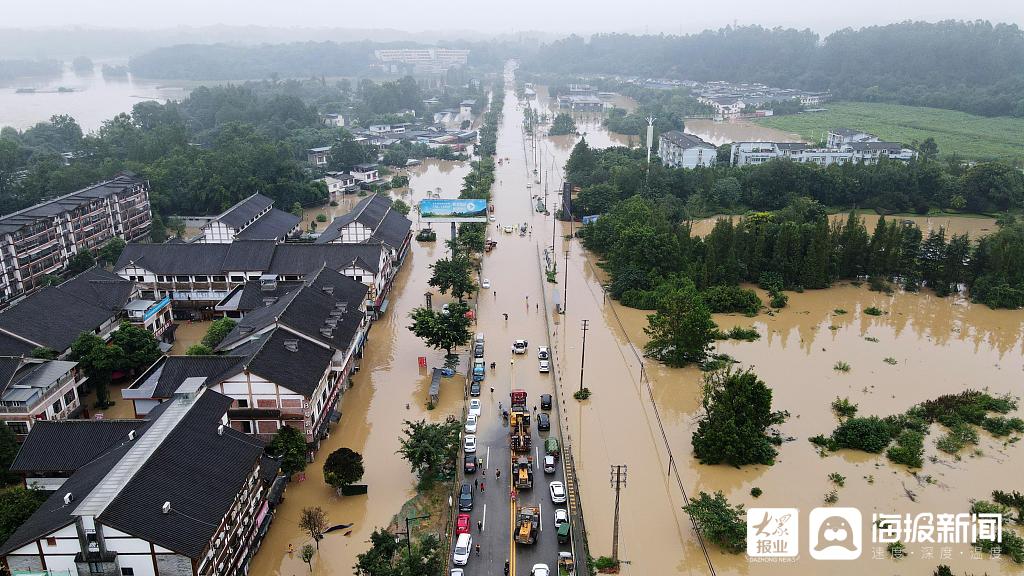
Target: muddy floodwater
{"points": [[974, 226], [737, 130], [939, 346], [388, 389]]}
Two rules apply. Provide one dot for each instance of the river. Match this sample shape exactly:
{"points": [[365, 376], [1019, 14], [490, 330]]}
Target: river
{"points": [[93, 100]]}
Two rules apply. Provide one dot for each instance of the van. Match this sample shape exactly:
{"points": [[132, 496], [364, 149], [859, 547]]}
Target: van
{"points": [[551, 446], [479, 370], [479, 338]]}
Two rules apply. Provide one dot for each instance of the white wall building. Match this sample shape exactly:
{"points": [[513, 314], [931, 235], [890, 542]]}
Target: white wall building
{"points": [[680, 150]]}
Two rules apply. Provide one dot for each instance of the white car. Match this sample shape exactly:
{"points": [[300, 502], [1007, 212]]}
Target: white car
{"points": [[471, 424], [544, 366], [463, 545], [479, 338], [491, 217], [457, 572], [561, 516], [549, 464], [519, 347], [485, 283], [508, 229], [543, 353], [540, 570], [475, 407], [444, 309], [557, 488], [469, 445]]}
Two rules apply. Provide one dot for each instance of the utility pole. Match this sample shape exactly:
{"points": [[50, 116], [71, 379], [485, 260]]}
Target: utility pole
{"points": [[618, 481], [408, 534], [583, 353]]}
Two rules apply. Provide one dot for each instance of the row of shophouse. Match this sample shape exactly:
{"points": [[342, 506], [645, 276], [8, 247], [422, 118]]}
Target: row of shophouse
{"points": [[186, 486]]}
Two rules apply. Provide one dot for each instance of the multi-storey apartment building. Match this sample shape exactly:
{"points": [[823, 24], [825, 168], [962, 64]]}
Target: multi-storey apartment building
{"points": [[41, 239], [680, 150]]}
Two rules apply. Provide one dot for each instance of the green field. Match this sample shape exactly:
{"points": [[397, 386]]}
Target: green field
{"points": [[971, 137]]}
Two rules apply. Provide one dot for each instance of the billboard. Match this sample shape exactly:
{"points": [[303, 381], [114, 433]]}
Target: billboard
{"points": [[469, 210]]}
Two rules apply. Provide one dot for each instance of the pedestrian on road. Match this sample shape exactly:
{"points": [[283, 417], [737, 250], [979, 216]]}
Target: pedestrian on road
{"points": [[482, 487], [476, 482], [495, 293], [506, 567], [497, 474], [505, 314], [477, 549], [537, 307], [499, 407], [479, 526], [492, 387]]}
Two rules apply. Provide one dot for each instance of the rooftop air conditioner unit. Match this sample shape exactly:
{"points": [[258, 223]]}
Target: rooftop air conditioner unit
{"points": [[167, 507], [220, 430], [69, 498], [131, 435]]}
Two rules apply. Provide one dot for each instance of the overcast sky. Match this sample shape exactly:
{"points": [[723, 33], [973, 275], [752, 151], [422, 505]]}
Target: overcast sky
{"points": [[581, 16]]}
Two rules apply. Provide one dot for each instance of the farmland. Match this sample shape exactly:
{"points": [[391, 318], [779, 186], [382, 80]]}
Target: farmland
{"points": [[969, 136]]}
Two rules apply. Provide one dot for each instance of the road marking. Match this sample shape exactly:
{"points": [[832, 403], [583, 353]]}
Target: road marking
{"points": [[483, 521], [487, 458], [536, 455], [540, 512]]}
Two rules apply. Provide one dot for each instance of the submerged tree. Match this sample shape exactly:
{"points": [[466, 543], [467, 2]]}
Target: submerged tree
{"points": [[736, 412], [682, 330]]}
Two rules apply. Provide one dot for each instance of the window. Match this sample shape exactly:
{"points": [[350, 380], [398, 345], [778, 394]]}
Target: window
{"points": [[219, 278], [57, 406], [181, 278], [201, 279], [69, 398], [125, 571], [96, 568], [245, 426], [18, 427], [51, 541], [161, 278], [237, 278], [358, 278], [242, 402]]}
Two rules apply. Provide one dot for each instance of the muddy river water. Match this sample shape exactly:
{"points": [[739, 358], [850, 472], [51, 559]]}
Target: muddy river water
{"points": [[939, 345]]}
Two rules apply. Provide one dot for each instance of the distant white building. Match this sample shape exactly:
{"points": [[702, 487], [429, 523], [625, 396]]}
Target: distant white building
{"points": [[839, 136], [681, 150], [752, 153], [253, 218], [332, 119], [429, 60]]}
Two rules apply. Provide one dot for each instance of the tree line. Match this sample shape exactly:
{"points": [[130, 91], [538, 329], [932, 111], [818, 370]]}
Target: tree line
{"points": [[976, 67], [646, 243]]}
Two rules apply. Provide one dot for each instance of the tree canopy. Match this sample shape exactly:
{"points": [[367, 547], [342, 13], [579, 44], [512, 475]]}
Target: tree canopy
{"points": [[682, 330], [289, 445], [443, 330], [736, 413], [454, 275], [344, 466], [431, 448]]}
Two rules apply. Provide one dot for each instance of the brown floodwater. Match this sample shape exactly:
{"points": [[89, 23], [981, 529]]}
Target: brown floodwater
{"points": [[737, 130], [940, 345], [388, 389], [974, 226]]}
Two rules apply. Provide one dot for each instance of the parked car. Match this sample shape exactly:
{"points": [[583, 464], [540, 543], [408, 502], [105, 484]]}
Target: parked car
{"points": [[540, 570], [457, 572], [508, 229], [475, 407], [543, 353], [479, 370], [471, 424], [469, 445], [463, 545], [545, 401], [466, 497], [485, 284], [478, 350], [561, 516], [544, 366], [519, 347], [478, 338], [462, 523], [469, 464], [474, 388], [543, 422], [491, 218], [557, 490], [549, 464]]}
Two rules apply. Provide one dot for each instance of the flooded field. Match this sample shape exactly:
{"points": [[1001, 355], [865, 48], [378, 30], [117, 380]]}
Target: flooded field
{"points": [[737, 130], [974, 226], [388, 389]]}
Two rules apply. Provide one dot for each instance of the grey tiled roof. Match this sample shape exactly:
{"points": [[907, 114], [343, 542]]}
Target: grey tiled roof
{"points": [[283, 259], [13, 346], [239, 214], [175, 258], [273, 225], [16, 220], [307, 258], [97, 286], [67, 445], [684, 140], [298, 371], [375, 213], [52, 318], [248, 255], [175, 369]]}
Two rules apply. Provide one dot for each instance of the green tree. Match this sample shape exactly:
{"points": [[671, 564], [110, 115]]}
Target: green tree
{"points": [[928, 149], [111, 251], [379, 559], [44, 353], [344, 466], [736, 412], [454, 275], [17, 504], [682, 330], [347, 153], [139, 346], [199, 350], [289, 446], [440, 330], [81, 262], [721, 523], [431, 448], [217, 331], [98, 360], [398, 205], [313, 521], [562, 124], [307, 553], [8, 451], [297, 209]]}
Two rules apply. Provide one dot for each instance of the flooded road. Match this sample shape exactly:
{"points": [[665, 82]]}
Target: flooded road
{"points": [[939, 345], [372, 414]]}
